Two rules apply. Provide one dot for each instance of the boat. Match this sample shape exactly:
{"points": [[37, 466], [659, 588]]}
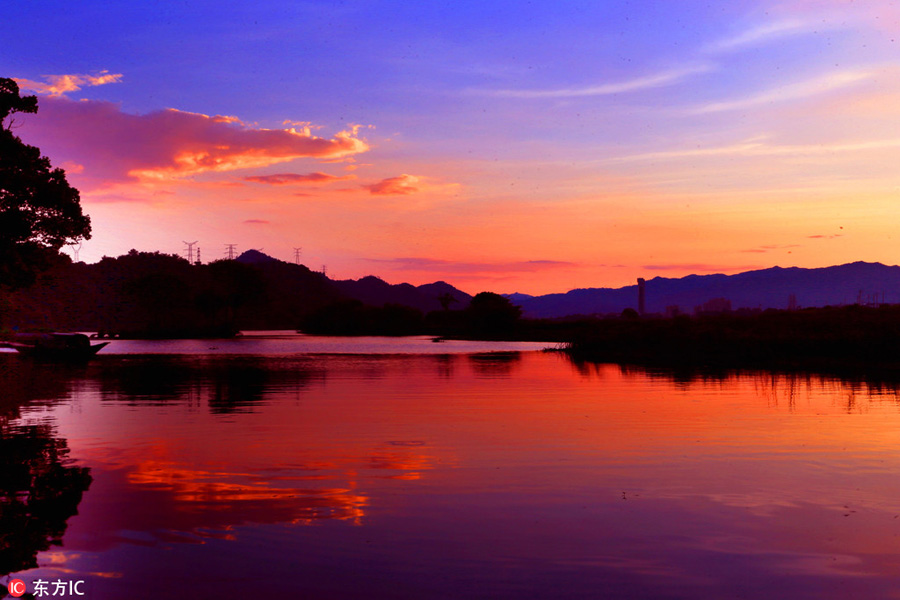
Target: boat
{"points": [[54, 346]]}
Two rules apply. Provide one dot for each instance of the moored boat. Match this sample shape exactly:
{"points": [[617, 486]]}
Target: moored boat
{"points": [[55, 346]]}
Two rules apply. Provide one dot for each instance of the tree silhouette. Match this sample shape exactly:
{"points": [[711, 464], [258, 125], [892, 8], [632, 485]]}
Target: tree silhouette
{"points": [[492, 314], [446, 299], [39, 211]]}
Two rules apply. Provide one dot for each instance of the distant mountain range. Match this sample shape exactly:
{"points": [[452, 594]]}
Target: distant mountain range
{"points": [[767, 288], [138, 291]]}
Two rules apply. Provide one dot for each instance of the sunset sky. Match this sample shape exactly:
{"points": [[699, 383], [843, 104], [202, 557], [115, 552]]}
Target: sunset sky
{"points": [[505, 146]]}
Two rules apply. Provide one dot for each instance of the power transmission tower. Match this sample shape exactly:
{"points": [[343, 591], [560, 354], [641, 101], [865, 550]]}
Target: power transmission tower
{"points": [[297, 255], [324, 270], [190, 250], [75, 250], [198, 256], [230, 250]]}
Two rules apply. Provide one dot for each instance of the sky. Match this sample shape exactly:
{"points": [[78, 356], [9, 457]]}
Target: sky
{"points": [[530, 147]]}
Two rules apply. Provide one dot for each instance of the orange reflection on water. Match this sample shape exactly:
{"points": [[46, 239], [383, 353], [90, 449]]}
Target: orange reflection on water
{"points": [[512, 458], [199, 490]]}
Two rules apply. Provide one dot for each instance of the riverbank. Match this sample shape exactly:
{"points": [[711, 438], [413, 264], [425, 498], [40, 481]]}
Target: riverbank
{"points": [[830, 338]]}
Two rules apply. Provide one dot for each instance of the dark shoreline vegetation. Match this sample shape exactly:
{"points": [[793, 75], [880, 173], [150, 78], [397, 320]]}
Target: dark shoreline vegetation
{"points": [[840, 340], [158, 296]]}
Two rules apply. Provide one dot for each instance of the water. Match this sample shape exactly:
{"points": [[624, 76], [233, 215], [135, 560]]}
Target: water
{"points": [[295, 474]]}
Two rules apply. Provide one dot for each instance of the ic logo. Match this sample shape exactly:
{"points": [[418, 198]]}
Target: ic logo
{"points": [[16, 588]]}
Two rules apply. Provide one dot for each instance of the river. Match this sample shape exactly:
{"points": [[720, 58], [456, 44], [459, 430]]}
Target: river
{"points": [[282, 466]]}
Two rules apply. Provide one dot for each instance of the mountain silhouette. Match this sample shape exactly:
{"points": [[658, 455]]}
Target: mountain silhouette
{"points": [[369, 290], [145, 293], [766, 288], [255, 257]]}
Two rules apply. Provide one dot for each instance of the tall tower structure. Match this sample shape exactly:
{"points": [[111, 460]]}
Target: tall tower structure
{"points": [[642, 297], [190, 251]]}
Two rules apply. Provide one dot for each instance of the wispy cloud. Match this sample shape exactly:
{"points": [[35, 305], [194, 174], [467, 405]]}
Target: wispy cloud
{"points": [[758, 147], [57, 85], [296, 178], [794, 91], [701, 267], [654, 80], [764, 33], [879, 15], [171, 144], [447, 266], [770, 247], [256, 222]]}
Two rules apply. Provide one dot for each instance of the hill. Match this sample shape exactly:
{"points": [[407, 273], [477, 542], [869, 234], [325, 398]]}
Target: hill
{"points": [[161, 295]]}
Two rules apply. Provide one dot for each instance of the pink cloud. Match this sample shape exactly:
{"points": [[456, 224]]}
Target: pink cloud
{"points": [[395, 186], [169, 144], [256, 222], [295, 178], [448, 266], [57, 85]]}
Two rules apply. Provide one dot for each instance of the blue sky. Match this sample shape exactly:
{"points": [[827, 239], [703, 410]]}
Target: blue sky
{"points": [[586, 142]]}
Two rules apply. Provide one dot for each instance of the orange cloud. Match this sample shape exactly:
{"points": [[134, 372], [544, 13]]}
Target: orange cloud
{"points": [[57, 85], [169, 144], [295, 178], [406, 185], [395, 186]]}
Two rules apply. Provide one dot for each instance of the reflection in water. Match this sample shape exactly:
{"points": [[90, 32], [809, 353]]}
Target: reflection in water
{"points": [[445, 365], [495, 364], [781, 387], [23, 382], [146, 380], [222, 499], [237, 387], [486, 476], [40, 489], [233, 385], [39, 492]]}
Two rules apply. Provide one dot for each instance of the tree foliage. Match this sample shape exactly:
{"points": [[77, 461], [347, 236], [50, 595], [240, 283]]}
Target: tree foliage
{"points": [[492, 313], [39, 211]]}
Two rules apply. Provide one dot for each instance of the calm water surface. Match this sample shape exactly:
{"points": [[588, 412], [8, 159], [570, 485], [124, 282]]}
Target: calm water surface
{"points": [[204, 472]]}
